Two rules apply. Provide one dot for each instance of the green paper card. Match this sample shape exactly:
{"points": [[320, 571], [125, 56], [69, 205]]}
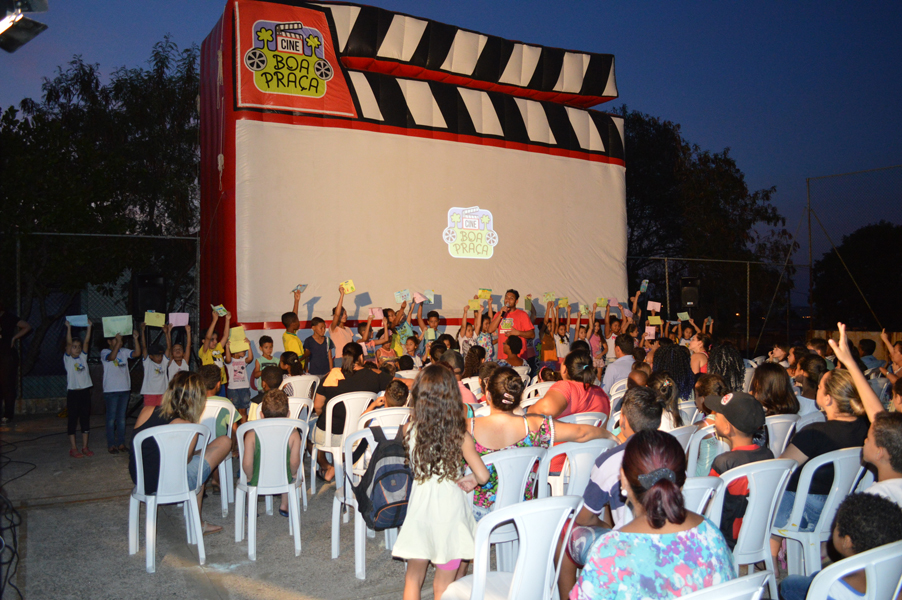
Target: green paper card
{"points": [[114, 325], [430, 296], [549, 297], [601, 302], [583, 310], [220, 310], [683, 316], [527, 304]]}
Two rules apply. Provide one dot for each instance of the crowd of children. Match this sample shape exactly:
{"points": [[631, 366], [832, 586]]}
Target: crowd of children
{"points": [[633, 490]]}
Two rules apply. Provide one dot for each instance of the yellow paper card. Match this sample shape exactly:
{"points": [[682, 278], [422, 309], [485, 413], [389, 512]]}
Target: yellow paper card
{"points": [[485, 293], [475, 304], [155, 319], [654, 320], [563, 302], [348, 286], [236, 340]]}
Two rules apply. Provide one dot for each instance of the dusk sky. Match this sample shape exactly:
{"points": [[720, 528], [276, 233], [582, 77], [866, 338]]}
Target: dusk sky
{"points": [[794, 89]]}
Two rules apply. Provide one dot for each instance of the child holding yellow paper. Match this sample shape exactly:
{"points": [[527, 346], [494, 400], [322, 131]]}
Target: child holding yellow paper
{"points": [[239, 391], [210, 352]]}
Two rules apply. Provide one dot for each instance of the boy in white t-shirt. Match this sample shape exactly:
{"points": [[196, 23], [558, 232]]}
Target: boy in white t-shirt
{"points": [[612, 327], [179, 360], [239, 391], [117, 387], [883, 449], [78, 391], [156, 365]]}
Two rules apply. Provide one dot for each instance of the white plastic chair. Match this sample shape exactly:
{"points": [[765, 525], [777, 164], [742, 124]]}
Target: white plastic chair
{"points": [[535, 391], [697, 494], [863, 480], [747, 379], [297, 406], [272, 438], [523, 372], [695, 442], [472, 384], [482, 409], [750, 587], [539, 523], [683, 434], [384, 417], [355, 403], [814, 417], [597, 419], [575, 473], [514, 467], [302, 386], [211, 413], [766, 480], [872, 373], [344, 497], [881, 387], [408, 374], [758, 360], [613, 421], [618, 391], [779, 429], [885, 560], [174, 442], [688, 410], [846, 464]]}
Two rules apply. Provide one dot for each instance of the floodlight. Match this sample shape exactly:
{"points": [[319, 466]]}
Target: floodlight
{"points": [[16, 30]]}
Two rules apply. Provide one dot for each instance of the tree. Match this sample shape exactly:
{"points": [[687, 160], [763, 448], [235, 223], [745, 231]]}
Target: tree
{"points": [[871, 254], [683, 201], [89, 157]]}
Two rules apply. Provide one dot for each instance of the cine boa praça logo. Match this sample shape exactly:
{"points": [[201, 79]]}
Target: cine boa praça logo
{"points": [[469, 233], [288, 58]]}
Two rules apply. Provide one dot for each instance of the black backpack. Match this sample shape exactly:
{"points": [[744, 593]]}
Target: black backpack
{"points": [[384, 489]]}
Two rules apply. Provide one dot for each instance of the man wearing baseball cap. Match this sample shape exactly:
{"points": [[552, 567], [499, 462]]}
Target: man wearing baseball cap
{"points": [[737, 417]]}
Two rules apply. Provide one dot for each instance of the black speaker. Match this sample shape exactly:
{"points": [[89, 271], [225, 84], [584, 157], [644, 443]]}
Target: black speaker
{"points": [[148, 293], [689, 291]]}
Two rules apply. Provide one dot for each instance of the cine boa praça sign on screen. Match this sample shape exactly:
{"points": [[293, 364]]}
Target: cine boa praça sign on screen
{"points": [[470, 233]]}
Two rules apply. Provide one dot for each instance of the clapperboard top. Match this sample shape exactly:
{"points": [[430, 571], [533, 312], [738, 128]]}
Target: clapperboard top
{"points": [[378, 40]]}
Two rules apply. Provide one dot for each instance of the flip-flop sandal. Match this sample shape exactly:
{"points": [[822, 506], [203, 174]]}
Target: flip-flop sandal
{"points": [[113, 450], [284, 513]]}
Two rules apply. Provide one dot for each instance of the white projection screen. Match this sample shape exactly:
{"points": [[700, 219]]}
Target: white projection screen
{"points": [[372, 207], [347, 142]]}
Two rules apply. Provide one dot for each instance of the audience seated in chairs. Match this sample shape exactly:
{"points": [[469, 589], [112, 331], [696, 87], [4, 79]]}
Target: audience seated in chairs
{"points": [[183, 402]]}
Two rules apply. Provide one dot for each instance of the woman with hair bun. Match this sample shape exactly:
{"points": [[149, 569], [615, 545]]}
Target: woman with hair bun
{"points": [[503, 430], [577, 393], [666, 551]]}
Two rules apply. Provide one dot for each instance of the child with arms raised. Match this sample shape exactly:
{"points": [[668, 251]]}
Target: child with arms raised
{"points": [[210, 352], [439, 526], [290, 340], [179, 360], [78, 390], [117, 387], [239, 384], [156, 364], [339, 333]]}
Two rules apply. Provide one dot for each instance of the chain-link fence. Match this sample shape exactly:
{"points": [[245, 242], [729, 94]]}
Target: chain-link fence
{"points": [[855, 248], [749, 301], [58, 275]]}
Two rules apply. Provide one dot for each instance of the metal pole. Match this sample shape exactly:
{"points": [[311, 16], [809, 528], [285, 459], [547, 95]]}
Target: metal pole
{"points": [[667, 286], [810, 264], [18, 312], [748, 309], [196, 336]]}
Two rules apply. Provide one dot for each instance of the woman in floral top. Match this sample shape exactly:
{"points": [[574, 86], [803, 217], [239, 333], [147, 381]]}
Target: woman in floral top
{"points": [[665, 551], [503, 430]]}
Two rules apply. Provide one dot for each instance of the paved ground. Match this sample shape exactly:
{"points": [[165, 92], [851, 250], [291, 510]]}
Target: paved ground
{"points": [[73, 539]]}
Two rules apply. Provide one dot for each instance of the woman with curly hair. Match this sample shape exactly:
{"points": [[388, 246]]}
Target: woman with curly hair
{"points": [[473, 359], [439, 526], [183, 402], [726, 360], [675, 360]]}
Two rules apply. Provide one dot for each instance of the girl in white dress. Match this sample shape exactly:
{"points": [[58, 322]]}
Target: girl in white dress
{"points": [[439, 526]]}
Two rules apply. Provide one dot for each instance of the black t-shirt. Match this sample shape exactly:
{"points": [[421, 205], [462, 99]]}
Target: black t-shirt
{"points": [[150, 453], [9, 327], [362, 380], [820, 438], [735, 501]]}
